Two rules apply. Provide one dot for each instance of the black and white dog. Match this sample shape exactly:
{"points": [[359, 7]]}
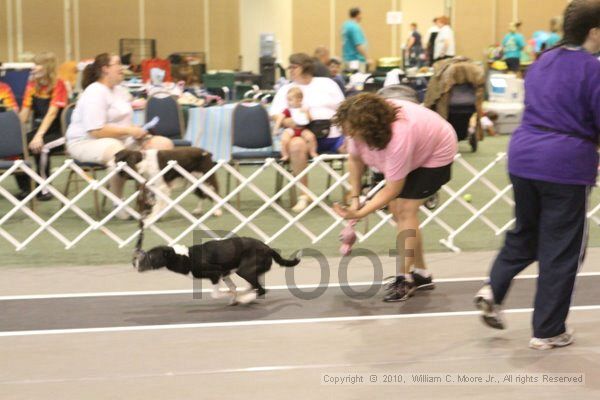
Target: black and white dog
{"points": [[149, 163], [217, 260]]}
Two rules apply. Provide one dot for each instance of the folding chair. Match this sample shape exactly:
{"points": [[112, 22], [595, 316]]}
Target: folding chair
{"points": [[171, 123], [12, 143], [251, 139]]}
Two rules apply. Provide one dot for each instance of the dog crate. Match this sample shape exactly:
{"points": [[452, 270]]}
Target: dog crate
{"points": [[136, 50]]}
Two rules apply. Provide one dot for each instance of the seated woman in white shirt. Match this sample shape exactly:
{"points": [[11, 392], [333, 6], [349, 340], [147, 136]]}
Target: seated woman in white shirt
{"points": [[101, 124]]}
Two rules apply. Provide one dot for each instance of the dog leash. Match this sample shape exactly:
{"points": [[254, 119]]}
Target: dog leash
{"points": [[142, 202]]}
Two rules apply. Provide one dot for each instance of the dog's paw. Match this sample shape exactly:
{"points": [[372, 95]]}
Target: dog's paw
{"points": [[218, 212], [222, 294], [197, 211], [246, 297]]}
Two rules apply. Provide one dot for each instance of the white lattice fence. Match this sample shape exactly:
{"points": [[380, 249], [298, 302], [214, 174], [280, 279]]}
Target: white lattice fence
{"points": [[444, 216]]}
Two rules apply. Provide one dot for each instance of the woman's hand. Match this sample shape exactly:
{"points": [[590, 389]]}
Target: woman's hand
{"points": [[36, 144], [347, 212], [137, 133]]}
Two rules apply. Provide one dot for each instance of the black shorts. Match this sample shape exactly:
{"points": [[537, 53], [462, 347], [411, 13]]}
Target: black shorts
{"points": [[513, 64], [425, 182]]}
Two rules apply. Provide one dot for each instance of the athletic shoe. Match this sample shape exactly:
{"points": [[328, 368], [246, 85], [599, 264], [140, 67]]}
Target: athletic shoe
{"points": [[401, 291], [491, 313], [44, 196], [422, 282], [562, 340]]}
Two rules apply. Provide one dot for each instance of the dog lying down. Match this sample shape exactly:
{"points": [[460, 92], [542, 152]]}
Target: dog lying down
{"points": [[217, 260]]}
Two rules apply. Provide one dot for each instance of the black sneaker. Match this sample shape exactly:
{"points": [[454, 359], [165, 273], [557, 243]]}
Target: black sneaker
{"points": [[393, 282], [44, 196], [401, 291], [422, 282], [21, 195]]}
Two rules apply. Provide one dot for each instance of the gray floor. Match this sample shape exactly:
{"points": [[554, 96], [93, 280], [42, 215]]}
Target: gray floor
{"points": [[133, 345]]}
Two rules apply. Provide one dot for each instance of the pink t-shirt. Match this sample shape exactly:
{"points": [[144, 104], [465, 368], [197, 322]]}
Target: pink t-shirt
{"points": [[420, 138]]}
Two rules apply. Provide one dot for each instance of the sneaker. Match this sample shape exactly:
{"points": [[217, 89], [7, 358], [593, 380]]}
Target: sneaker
{"points": [[401, 291], [44, 196], [21, 195], [301, 204], [395, 281], [422, 282], [562, 340], [491, 313]]}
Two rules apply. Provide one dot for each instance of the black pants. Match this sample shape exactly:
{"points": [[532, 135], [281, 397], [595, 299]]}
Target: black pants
{"points": [[23, 180], [550, 228]]}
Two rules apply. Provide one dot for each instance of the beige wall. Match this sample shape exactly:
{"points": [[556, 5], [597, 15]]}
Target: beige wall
{"points": [[224, 34], [176, 25], [535, 17], [103, 23], [226, 29], [45, 29], [3, 31], [474, 27], [264, 16]]}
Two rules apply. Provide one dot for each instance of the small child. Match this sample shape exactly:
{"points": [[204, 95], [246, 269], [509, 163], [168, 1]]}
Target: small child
{"points": [[301, 118], [486, 122]]}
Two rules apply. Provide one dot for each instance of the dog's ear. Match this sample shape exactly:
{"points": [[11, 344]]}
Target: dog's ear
{"points": [[135, 157], [121, 155]]}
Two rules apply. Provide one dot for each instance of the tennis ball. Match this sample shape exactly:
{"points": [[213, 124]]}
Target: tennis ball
{"points": [[468, 197]]}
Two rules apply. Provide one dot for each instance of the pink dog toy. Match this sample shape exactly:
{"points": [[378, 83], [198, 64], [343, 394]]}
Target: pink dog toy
{"points": [[347, 237]]}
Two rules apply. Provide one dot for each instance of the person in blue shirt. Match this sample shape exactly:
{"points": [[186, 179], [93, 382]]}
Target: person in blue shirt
{"points": [[555, 28], [512, 45], [354, 43]]}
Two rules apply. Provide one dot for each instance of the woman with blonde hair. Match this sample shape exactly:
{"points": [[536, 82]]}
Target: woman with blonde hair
{"points": [[44, 99], [512, 45]]}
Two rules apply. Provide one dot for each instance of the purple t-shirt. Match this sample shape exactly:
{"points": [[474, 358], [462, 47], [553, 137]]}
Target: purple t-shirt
{"points": [[558, 136]]}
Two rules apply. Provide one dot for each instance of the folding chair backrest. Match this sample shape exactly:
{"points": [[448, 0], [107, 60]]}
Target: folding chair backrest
{"points": [[65, 118], [399, 92], [11, 135], [165, 106], [251, 127], [462, 95]]}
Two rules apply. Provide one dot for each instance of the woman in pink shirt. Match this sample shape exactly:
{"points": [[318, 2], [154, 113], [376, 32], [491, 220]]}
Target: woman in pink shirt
{"points": [[414, 149]]}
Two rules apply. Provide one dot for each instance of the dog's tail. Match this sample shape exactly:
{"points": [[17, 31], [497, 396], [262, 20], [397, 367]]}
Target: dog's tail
{"points": [[284, 262]]}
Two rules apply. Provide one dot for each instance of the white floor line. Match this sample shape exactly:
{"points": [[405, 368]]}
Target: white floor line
{"points": [[581, 352], [268, 322], [274, 287]]}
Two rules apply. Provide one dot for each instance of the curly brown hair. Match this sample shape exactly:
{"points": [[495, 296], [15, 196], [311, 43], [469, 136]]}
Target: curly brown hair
{"points": [[369, 116]]}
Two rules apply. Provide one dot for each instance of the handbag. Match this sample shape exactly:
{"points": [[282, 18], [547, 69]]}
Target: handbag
{"points": [[320, 127]]}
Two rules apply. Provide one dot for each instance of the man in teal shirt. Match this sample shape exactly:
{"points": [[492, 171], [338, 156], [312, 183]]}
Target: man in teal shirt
{"points": [[354, 43]]}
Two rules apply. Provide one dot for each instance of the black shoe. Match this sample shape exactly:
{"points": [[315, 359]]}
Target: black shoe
{"points": [[401, 292], [395, 281], [21, 195], [44, 196], [423, 283]]}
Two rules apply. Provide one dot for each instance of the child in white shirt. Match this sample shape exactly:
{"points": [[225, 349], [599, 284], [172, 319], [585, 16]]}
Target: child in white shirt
{"points": [[301, 118]]}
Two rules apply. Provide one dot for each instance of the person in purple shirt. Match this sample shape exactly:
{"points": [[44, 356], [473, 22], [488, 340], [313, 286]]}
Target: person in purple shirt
{"points": [[552, 163]]}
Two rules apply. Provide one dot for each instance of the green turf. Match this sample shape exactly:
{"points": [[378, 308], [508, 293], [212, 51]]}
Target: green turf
{"points": [[97, 248]]}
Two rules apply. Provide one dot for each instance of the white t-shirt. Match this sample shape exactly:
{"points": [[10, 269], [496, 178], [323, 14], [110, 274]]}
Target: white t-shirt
{"points": [[299, 116], [321, 97], [445, 33], [99, 106]]}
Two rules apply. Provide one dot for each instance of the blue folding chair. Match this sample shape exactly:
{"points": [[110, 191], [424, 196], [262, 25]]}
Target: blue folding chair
{"points": [[170, 124]]}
